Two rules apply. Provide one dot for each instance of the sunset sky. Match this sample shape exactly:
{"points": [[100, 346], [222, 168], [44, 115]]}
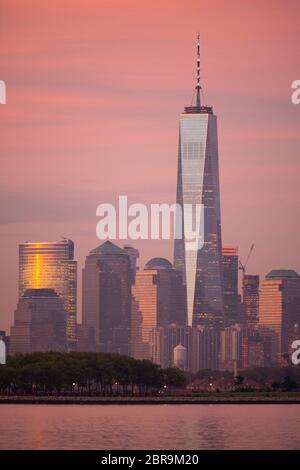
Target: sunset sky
{"points": [[94, 93]]}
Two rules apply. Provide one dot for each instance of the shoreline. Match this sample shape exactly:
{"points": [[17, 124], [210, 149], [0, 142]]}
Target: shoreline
{"points": [[170, 400]]}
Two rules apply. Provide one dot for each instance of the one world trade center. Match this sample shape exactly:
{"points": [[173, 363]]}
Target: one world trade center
{"points": [[198, 184]]}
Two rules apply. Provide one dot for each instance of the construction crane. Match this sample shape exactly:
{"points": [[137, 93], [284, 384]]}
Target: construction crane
{"points": [[249, 311], [243, 266]]}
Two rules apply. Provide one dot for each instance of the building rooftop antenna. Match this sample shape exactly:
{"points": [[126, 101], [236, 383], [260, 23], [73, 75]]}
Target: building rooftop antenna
{"points": [[198, 86]]}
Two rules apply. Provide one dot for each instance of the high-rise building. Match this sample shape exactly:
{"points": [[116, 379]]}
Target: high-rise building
{"points": [[107, 278], [158, 299], [205, 346], [51, 265], [293, 335], [231, 347], [279, 312], [250, 307], [230, 284], [202, 344], [163, 341], [253, 349], [198, 185], [134, 256], [39, 323]]}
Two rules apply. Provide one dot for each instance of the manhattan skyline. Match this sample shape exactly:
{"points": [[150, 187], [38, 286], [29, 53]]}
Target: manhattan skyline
{"points": [[60, 125]]}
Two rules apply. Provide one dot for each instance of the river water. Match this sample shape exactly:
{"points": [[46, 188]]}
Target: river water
{"points": [[147, 427]]}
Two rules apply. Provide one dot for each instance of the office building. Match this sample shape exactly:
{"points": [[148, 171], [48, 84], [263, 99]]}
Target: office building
{"points": [[133, 256], [231, 347], [230, 284], [250, 308], [163, 341], [107, 278], [279, 312], [39, 323], [158, 299], [199, 259], [202, 344], [253, 350], [51, 265]]}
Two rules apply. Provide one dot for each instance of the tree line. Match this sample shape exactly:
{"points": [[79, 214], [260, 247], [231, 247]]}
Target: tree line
{"points": [[84, 374], [274, 378]]}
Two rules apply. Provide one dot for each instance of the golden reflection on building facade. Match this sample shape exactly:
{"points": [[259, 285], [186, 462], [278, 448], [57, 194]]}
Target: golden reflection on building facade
{"points": [[51, 265]]}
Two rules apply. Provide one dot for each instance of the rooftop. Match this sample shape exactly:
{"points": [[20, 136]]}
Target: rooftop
{"points": [[158, 263], [40, 293], [108, 248], [198, 110], [282, 274], [180, 347]]}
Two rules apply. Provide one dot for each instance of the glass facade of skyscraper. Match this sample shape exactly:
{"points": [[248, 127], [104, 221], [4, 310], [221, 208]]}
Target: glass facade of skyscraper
{"points": [[198, 183], [230, 284], [107, 278], [50, 265], [250, 300], [279, 312]]}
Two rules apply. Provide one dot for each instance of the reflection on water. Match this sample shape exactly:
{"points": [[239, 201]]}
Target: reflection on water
{"points": [[149, 427]]}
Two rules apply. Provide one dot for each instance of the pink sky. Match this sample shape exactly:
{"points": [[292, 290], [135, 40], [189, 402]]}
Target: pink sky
{"points": [[94, 90]]}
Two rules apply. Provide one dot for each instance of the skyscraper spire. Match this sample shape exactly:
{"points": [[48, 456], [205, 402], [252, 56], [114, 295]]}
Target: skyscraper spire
{"points": [[198, 86], [197, 107], [198, 180]]}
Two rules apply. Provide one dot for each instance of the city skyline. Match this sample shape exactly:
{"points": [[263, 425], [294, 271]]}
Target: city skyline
{"points": [[149, 227], [68, 197], [188, 313], [132, 312]]}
